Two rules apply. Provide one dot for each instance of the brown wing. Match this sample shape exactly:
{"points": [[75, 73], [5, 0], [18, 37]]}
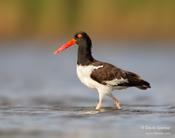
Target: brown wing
{"points": [[107, 73]]}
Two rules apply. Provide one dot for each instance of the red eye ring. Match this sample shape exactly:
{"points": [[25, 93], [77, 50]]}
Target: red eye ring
{"points": [[79, 35]]}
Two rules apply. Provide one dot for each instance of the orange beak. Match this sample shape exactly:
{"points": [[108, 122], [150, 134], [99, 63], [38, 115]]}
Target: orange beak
{"points": [[64, 46]]}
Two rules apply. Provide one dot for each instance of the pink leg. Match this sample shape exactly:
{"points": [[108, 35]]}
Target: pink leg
{"points": [[99, 104], [116, 101]]}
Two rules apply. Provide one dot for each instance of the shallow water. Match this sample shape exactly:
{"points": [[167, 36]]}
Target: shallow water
{"points": [[52, 121], [40, 95]]}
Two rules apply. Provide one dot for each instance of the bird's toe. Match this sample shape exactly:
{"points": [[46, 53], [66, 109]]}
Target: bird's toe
{"points": [[118, 105]]}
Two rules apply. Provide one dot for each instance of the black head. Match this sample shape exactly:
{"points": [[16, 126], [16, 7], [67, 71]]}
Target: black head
{"points": [[82, 38], [84, 49]]}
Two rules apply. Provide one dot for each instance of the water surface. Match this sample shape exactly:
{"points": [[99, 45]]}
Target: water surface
{"points": [[40, 95]]}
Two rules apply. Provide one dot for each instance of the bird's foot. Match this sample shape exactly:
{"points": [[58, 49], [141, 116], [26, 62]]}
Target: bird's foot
{"points": [[99, 110], [118, 105], [98, 107]]}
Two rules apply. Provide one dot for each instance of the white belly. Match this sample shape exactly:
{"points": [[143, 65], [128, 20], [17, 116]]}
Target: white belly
{"points": [[84, 74]]}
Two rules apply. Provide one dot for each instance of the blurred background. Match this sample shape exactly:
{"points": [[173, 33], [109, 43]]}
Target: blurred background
{"points": [[112, 19], [40, 94]]}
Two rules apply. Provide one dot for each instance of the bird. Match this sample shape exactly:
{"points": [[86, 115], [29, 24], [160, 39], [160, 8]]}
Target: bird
{"points": [[101, 76]]}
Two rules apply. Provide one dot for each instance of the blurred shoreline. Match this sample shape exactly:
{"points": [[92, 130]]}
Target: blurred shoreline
{"points": [[109, 19]]}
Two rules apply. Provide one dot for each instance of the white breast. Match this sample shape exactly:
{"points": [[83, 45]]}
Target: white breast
{"points": [[84, 74]]}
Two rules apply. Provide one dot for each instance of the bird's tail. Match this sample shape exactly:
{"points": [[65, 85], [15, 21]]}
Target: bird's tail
{"points": [[143, 85]]}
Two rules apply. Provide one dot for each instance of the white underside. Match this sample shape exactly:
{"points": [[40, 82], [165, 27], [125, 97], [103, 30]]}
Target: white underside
{"points": [[84, 73]]}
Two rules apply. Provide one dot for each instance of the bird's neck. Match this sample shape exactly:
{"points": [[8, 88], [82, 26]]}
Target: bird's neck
{"points": [[84, 55]]}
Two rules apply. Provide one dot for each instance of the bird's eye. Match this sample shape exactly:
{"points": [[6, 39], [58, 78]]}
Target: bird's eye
{"points": [[79, 35]]}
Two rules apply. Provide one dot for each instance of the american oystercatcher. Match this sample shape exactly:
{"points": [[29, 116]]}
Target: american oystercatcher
{"points": [[103, 77]]}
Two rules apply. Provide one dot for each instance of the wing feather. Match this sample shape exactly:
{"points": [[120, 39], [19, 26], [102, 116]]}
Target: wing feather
{"points": [[108, 74]]}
